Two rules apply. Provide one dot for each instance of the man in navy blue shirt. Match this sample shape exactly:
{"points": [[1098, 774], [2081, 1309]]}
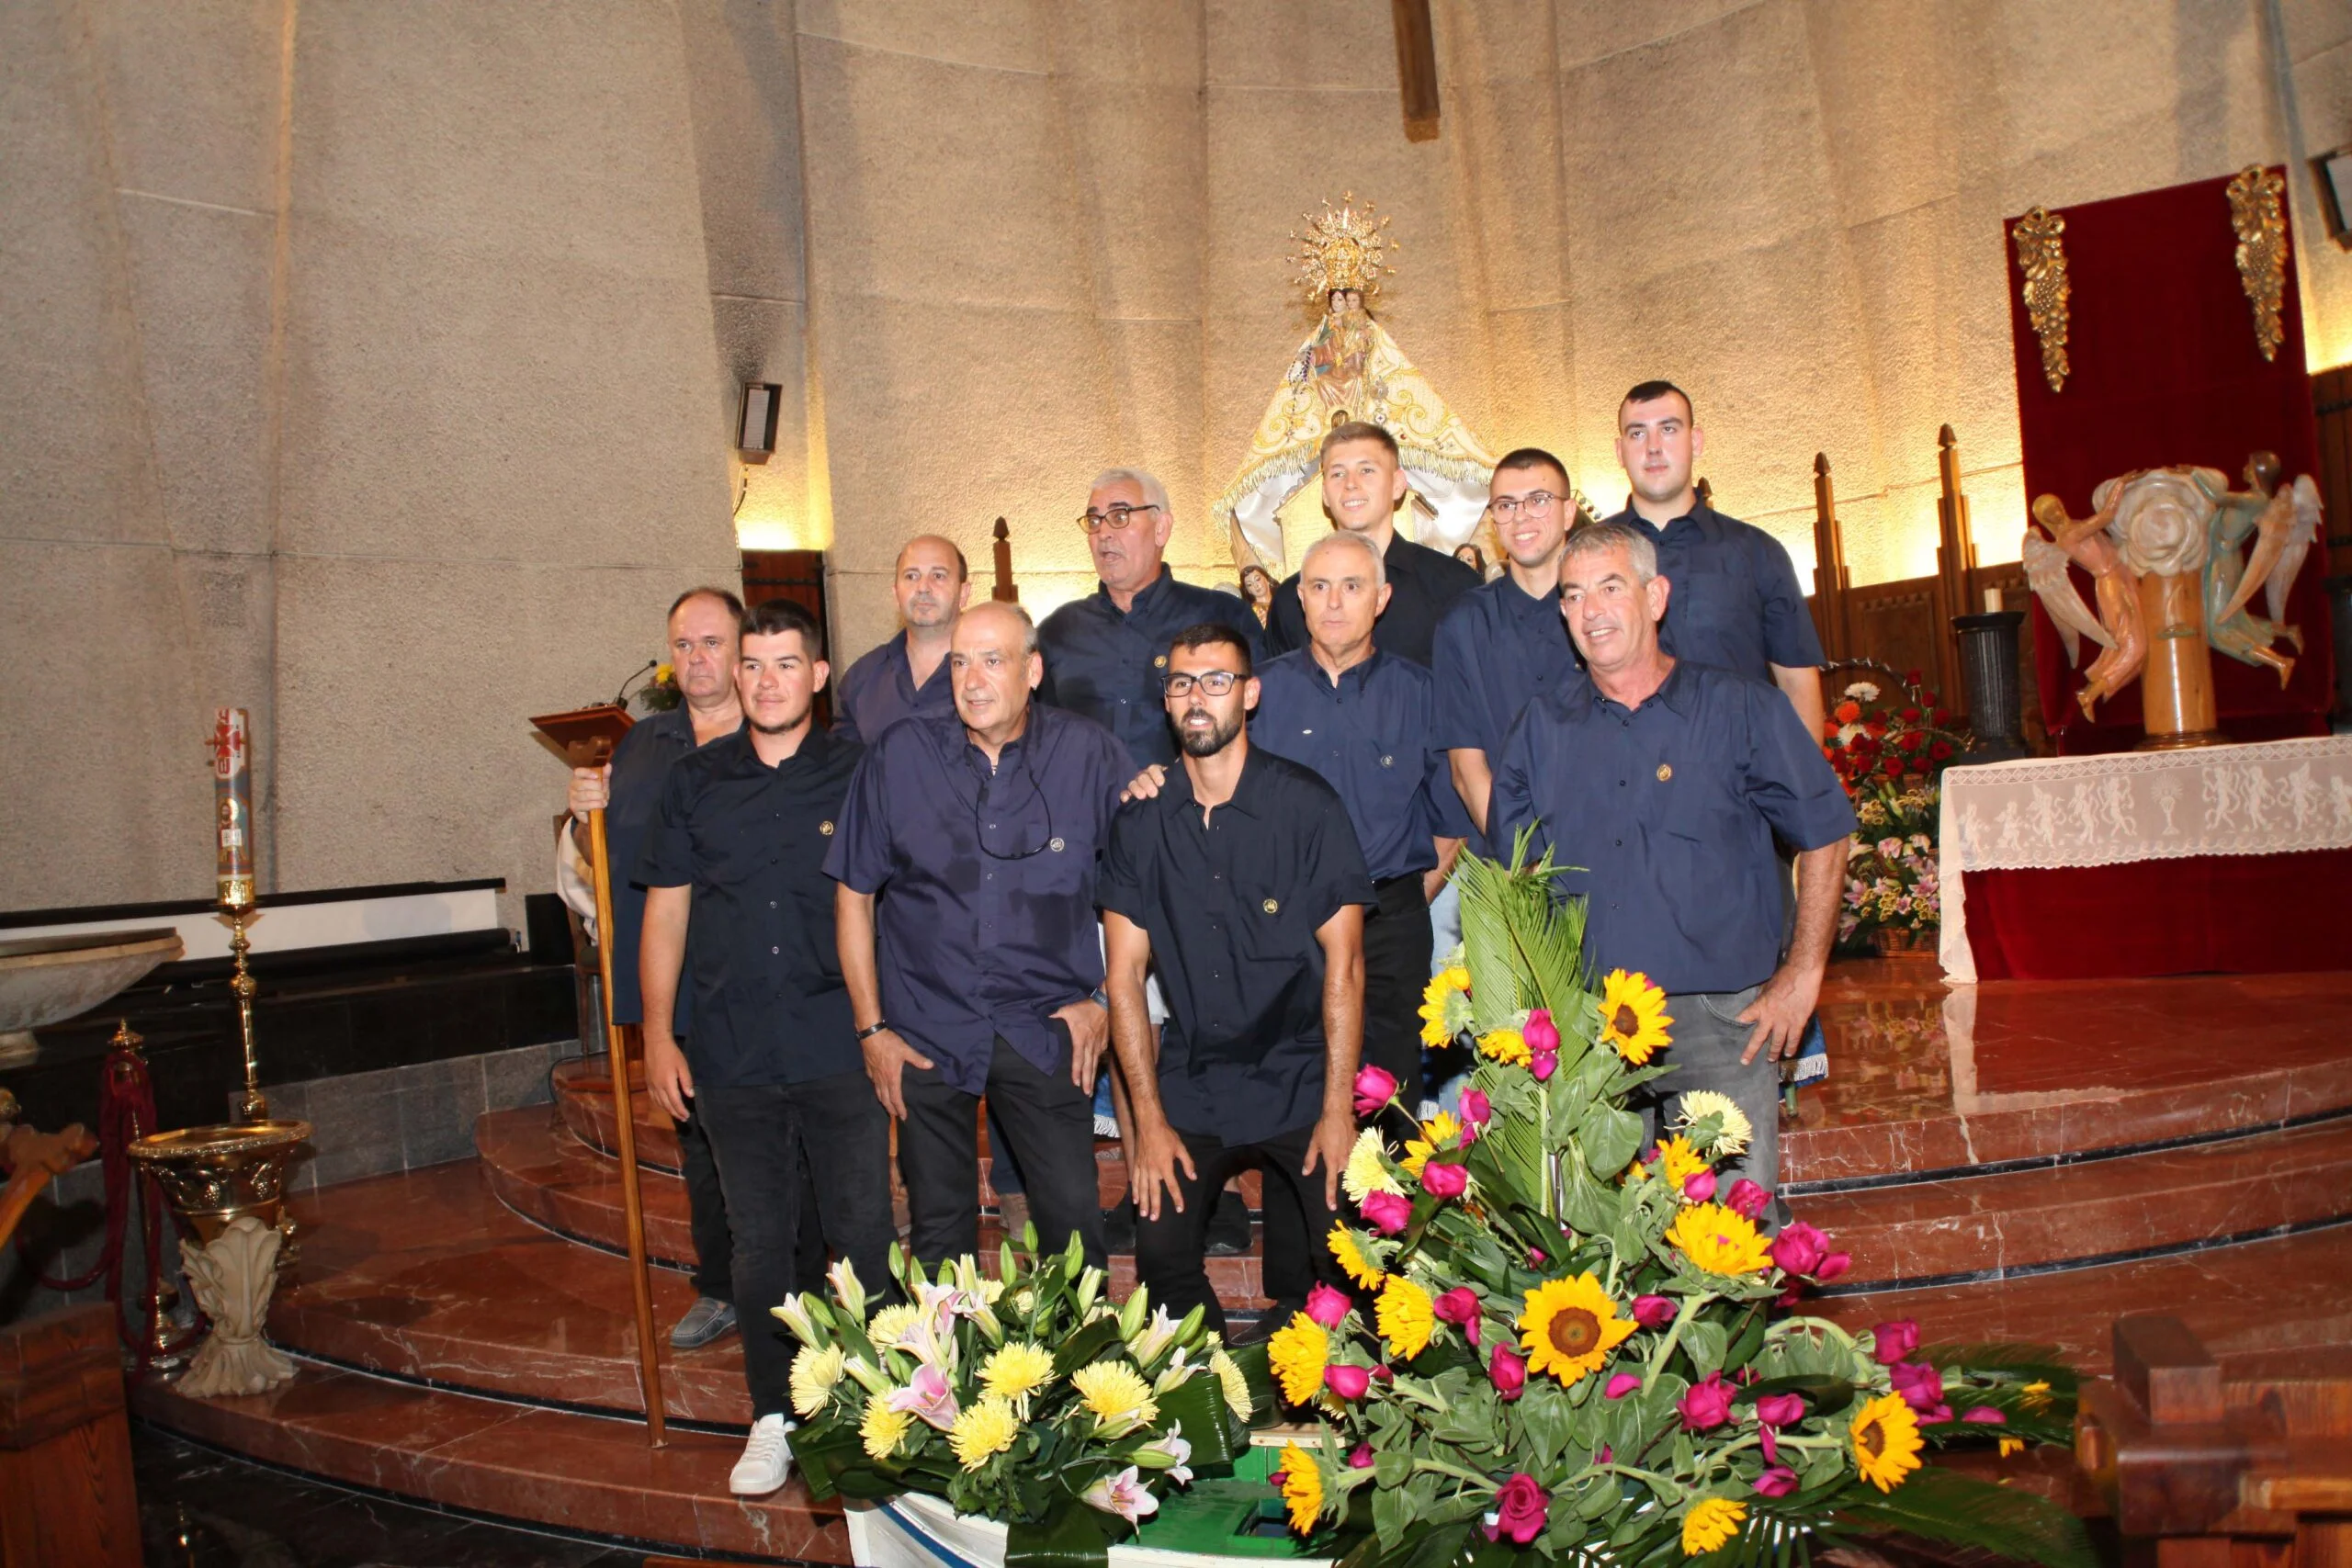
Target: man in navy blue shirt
{"points": [[1503, 644], [1660, 782], [966, 861], [909, 672], [1736, 603], [1105, 653], [737, 899]]}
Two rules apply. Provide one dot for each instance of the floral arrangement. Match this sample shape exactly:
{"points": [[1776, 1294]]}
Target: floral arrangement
{"points": [[661, 693], [1890, 752], [1563, 1341], [1029, 1398]]}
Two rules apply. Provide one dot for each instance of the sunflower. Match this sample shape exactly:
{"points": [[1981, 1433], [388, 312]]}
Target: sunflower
{"points": [[1302, 1488], [1298, 1351], [814, 1373], [1440, 1013], [1711, 1522], [1719, 1240], [984, 1428], [1119, 1397], [1886, 1441], [1017, 1370], [1367, 1172], [1732, 1129], [1350, 1252], [1508, 1046], [1440, 1132], [1236, 1386], [1569, 1328], [1633, 1016], [1405, 1317], [1680, 1160], [884, 1430]]}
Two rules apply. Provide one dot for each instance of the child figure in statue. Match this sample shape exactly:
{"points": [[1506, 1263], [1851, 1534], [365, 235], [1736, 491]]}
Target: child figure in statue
{"points": [[2118, 626], [2237, 516]]}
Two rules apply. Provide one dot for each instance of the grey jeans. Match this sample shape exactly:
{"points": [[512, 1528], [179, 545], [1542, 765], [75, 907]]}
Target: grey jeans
{"points": [[1707, 1042]]}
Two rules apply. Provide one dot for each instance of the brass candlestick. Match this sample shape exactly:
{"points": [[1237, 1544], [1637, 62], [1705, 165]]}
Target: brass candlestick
{"points": [[250, 1106]]}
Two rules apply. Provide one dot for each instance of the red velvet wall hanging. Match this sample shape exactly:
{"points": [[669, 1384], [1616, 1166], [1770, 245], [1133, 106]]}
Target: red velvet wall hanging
{"points": [[2165, 368]]}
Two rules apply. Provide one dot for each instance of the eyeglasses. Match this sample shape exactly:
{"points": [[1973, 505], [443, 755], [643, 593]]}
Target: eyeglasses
{"points": [[1115, 518], [1215, 682], [1538, 504]]}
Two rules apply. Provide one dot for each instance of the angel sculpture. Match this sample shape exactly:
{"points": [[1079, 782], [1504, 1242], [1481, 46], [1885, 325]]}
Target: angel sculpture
{"points": [[2282, 521], [2117, 627]]}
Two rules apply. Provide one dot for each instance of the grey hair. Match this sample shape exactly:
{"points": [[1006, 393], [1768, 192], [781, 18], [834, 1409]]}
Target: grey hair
{"points": [[1153, 492], [1013, 608], [1341, 536], [1599, 538]]}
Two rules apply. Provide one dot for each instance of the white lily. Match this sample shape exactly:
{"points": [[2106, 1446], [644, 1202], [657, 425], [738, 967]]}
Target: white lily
{"points": [[1124, 1495]]}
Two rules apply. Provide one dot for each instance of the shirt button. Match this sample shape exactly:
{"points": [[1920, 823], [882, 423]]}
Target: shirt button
{"points": [[775, 950], [1621, 844], [771, 903]]}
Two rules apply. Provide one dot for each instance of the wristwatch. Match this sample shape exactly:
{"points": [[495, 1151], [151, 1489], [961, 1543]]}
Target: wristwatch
{"points": [[873, 1030]]}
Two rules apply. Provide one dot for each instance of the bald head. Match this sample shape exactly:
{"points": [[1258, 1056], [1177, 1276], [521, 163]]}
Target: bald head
{"points": [[994, 663], [931, 583]]}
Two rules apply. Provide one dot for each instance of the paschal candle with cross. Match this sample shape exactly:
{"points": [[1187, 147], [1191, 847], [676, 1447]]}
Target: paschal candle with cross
{"points": [[233, 800]]}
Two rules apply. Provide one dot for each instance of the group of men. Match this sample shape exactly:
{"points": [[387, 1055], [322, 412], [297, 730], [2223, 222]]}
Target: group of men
{"points": [[1152, 830]]}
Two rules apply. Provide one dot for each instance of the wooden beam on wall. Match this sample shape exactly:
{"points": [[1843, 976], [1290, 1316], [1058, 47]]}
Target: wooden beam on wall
{"points": [[1417, 67]]}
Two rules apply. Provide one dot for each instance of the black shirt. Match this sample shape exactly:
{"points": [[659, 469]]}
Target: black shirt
{"points": [[1423, 584], [1734, 602], [640, 763], [751, 840], [1232, 906], [1105, 663]]}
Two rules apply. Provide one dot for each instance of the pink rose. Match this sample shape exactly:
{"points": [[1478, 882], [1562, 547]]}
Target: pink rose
{"points": [[1778, 1480], [1894, 1341], [1544, 1064], [1361, 1458], [1348, 1383], [1620, 1385], [1459, 1306], [1477, 1111], [1519, 1507], [1800, 1248], [1984, 1414], [1535, 1255], [1699, 1186], [1375, 1086], [1748, 1198], [1829, 1268], [1327, 1306], [1781, 1409], [1653, 1311], [1942, 1412], [1444, 1181], [1706, 1404], [1387, 1212], [1542, 1036], [1921, 1385], [1509, 1373]]}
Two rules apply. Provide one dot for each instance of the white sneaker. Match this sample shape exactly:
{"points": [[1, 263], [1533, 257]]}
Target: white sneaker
{"points": [[766, 1463]]}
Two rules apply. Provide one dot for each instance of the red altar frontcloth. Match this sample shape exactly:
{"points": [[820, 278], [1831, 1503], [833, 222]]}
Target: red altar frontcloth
{"points": [[2231, 914]]}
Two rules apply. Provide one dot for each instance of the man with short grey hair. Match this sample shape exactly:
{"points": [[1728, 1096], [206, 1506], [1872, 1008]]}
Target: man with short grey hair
{"points": [[1658, 784]]}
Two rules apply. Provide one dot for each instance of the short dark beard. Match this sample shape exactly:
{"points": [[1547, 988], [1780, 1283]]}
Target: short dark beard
{"points": [[1208, 742], [798, 720]]}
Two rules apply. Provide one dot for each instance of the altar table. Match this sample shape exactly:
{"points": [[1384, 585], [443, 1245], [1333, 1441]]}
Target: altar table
{"points": [[2224, 858]]}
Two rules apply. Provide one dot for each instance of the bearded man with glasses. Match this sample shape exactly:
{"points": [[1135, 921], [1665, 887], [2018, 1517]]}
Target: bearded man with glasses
{"points": [[967, 858]]}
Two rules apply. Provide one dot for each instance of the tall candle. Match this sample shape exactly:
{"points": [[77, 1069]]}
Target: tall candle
{"points": [[1992, 601], [232, 802]]}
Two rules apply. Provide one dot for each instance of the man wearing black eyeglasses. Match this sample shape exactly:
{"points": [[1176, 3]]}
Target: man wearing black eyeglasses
{"points": [[966, 862]]}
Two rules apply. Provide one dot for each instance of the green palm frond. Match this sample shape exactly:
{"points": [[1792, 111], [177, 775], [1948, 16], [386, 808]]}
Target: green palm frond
{"points": [[1941, 1504]]}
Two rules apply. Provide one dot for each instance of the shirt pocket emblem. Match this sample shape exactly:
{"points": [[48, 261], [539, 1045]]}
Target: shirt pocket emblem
{"points": [[1055, 845], [1665, 772], [1271, 905], [1388, 761], [826, 829], [1160, 662]]}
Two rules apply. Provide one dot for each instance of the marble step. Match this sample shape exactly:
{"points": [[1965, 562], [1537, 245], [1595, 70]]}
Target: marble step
{"points": [[2025, 1222]]}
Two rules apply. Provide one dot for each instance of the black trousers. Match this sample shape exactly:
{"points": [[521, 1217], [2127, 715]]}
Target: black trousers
{"points": [[1397, 953], [1047, 1121], [1172, 1252], [714, 1273], [763, 1138]]}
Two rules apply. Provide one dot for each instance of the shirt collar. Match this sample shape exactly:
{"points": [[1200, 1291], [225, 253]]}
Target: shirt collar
{"points": [[813, 748], [1146, 598], [1677, 692], [1701, 517], [1249, 791]]}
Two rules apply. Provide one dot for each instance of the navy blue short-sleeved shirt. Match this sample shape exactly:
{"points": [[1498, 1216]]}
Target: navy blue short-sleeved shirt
{"points": [[1734, 602], [1232, 906], [640, 765], [1105, 663], [880, 690], [984, 913], [749, 840], [1373, 736], [1668, 811], [1498, 650]]}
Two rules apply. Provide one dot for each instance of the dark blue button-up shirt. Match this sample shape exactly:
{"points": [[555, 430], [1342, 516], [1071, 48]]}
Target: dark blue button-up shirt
{"points": [[984, 919], [1373, 736], [1232, 906], [1736, 603], [1666, 811], [640, 764], [1497, 651], [880, 690], [749, 840], [1106, 663]]}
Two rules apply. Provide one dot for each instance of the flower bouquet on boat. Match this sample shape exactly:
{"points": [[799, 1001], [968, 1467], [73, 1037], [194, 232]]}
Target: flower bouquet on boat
{"points": [[1568, 1336]]}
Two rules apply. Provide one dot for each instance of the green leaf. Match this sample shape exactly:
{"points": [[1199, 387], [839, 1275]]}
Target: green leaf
{"points": [[1703, 1342], [1826, 1395], [1545, 1416], [1071, 1535], [1612, 1137], [1198, 1404], [1942, 1506], [1085, 1345]]}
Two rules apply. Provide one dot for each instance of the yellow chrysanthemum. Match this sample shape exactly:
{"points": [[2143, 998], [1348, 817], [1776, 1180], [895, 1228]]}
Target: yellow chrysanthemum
{"points": [[1116, 1393], [1680, 1160], [1711, 1522], [889, 1323], [1298, 1351], [983, 1429], [1886, 1441], [1302, 1488], [1236, 1386], [1508, 1046], [1720, 1240], [2012, 1446], [1437, 1000], [1440, 1131], [663, 674], [1018, 1369], [1569, 1328], [2035, 1395], [1733, 1129], [884, 1430], [1633, 1016], [1344, 1247], [1366, 1172], [1404, 1317], [814, 1373]]}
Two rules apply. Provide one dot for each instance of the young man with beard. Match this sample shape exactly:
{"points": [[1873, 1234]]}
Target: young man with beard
{"points": [[734, 878], [1241, 880]]}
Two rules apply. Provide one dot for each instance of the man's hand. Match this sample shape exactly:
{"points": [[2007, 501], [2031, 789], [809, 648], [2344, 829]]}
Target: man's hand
{"points": [[591, 790], [667, 1078], [1090, 1033], [887, 1056], [1334, 1136], [1146, 784], [1154, 1151], [1779, 1012]]}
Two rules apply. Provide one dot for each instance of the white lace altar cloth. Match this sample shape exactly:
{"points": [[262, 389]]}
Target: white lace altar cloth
{"points": [[2269, 798]]}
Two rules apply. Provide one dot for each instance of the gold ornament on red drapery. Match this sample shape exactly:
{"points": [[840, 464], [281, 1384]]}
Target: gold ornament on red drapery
{"points": [[2041, 256], [2255, 212]]}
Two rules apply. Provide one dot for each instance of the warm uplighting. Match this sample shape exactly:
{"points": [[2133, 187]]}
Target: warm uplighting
{"points": [[779, 533]]}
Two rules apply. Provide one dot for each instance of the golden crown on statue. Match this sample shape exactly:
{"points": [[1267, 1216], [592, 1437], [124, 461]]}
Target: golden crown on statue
{"points": [[1341, 249]]}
